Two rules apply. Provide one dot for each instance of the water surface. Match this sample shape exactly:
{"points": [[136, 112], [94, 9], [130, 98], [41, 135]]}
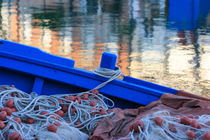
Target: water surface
{"points": [[161, 41]]}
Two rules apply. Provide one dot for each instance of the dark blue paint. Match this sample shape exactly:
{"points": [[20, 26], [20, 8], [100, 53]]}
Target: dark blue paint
{"points": [[21, 80], [38, 85], [32, 70]]}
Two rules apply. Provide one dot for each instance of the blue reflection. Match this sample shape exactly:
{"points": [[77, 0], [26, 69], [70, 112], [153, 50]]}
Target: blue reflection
{"points": [[187, 14]]}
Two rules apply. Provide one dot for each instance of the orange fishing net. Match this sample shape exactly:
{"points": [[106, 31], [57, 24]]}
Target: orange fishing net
{"points": [[190, 113]]}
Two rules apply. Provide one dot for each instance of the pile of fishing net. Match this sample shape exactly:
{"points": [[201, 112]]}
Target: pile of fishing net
{"points": [[56, 117], [173, 117], [88, 115], [161, 125]]}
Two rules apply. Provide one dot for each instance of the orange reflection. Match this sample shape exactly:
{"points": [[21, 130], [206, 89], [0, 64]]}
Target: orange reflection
{"points": [[123, 58], [99, 44], [36, 36], [14, 24], [55, 44], [76, 46]]}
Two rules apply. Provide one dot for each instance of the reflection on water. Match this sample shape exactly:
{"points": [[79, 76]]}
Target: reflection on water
{"points": [[153, 39]]}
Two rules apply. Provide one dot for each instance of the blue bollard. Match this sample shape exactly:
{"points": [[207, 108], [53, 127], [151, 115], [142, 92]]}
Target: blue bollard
{"points": [[108, 61]]}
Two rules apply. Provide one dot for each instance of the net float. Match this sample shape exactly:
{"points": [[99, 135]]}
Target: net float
{"points": [[52, 128]]}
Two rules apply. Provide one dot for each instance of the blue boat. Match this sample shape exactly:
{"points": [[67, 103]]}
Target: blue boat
{"points": [[32, 70]]}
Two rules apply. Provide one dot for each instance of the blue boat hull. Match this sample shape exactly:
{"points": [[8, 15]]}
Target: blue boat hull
{"points": [[33, 70]]}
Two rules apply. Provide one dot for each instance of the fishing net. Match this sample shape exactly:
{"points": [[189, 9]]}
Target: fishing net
{"points": [[61, 116], [173, 117], [87, 115], [161, 125], [29, 116], [64, 132]]}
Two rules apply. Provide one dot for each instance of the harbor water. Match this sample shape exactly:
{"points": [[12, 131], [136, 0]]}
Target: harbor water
{"points": [[162, 41]]}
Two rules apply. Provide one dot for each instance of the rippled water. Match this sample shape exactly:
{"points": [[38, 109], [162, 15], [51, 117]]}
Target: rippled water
{"points": [[162, 41]]}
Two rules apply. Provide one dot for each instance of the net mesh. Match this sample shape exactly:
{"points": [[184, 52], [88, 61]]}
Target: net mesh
{"points": [[161, 125], [29, 116]]}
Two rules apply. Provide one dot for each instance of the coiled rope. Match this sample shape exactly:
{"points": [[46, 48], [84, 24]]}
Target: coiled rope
{"points": [[107, 73], [26, 114]]}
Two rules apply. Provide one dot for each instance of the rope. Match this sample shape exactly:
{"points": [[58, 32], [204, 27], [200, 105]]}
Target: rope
{"points": [[107, 73], [161, 125], [32, 114]]}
